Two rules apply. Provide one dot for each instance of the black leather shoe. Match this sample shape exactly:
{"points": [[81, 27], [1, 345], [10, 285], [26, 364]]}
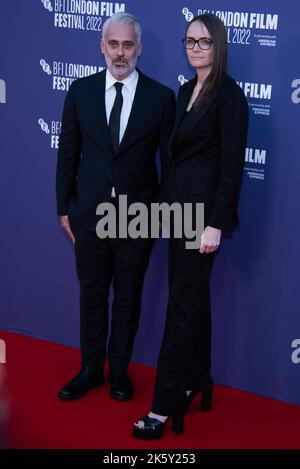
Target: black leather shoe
{"points": [[153, 429], [121, 387], [88, 377]]}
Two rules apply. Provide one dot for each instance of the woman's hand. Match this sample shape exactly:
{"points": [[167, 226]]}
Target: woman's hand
{"points": [[210, 240]]}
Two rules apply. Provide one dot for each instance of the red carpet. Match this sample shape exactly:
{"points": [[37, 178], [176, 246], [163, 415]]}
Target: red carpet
{"points": [[37, 369]]}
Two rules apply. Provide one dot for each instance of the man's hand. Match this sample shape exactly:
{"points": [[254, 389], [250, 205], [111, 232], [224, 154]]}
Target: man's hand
{"points": [[64, 222], [210, 240]]}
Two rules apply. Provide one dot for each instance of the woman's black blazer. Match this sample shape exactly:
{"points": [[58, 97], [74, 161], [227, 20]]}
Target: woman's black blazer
{"points": [[207, 152]]}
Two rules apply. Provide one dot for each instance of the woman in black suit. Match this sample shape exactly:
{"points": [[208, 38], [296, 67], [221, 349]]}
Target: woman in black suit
{"points": [[206, 165]]}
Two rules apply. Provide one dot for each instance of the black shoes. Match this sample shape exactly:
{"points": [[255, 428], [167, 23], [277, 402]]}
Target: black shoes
{"points": [[121, 387], [88, 377], [153, 429]]}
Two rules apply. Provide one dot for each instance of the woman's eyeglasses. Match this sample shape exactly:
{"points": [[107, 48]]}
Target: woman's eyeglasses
{"points": [[204, 43]]}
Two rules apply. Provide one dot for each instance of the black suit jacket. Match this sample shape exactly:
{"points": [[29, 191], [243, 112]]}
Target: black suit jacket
{"points": [[207, 151], [87, 167]]}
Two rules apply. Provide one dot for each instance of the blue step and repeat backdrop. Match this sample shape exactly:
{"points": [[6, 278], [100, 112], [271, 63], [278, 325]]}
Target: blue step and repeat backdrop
{"points": [[45, 45]]}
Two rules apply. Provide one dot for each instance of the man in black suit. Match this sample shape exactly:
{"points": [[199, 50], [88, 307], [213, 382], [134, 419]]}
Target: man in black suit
{"points": [[113, 124]]}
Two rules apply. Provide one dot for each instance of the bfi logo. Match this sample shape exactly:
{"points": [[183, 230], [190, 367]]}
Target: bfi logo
{"points": [[2, 92], [2, 351]]}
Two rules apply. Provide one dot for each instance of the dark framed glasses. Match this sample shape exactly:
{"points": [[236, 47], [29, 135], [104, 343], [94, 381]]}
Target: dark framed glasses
{"points": [[204, 43]]}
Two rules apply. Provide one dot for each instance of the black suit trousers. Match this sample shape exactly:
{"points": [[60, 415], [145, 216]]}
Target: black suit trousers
{"points": [[100, 263], [185, 356]]}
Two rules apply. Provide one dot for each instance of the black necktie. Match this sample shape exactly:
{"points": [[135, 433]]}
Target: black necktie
{"points": [[114, 119]]}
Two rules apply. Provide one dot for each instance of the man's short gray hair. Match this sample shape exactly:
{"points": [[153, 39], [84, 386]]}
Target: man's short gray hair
{"points": [[123, 18]]}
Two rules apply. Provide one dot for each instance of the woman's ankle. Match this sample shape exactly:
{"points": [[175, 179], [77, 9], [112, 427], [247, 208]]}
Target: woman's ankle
{"points": [[162, 418]]}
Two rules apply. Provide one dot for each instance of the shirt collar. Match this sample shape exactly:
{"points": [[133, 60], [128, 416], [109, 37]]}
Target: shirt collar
{"points": [[129, 82]]}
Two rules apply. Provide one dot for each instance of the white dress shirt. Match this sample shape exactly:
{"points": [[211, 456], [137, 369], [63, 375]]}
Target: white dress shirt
{"points": [[128, 92]]}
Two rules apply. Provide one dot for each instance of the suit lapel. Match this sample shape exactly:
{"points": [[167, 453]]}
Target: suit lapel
{"points": [[182, 103], [138, 105], [98, 106], [192, 120]]}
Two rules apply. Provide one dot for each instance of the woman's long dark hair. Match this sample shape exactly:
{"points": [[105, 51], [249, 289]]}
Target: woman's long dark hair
{"points": [[218, 71]]}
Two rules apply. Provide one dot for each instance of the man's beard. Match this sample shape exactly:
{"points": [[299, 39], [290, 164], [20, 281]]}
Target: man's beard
{"points": [[121, 64]]}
